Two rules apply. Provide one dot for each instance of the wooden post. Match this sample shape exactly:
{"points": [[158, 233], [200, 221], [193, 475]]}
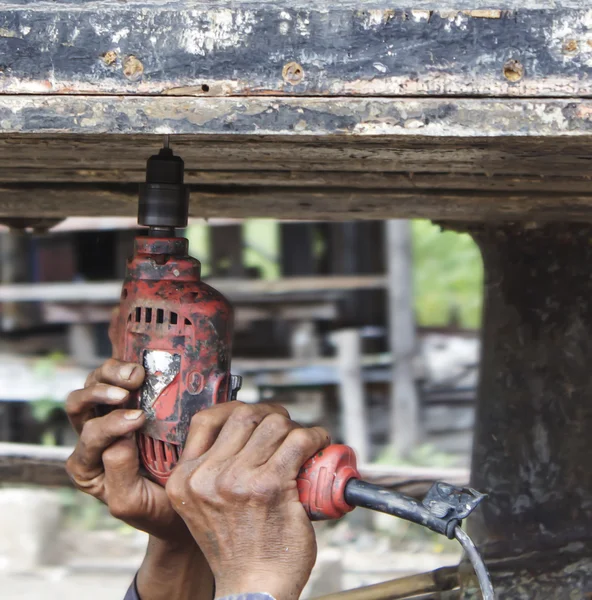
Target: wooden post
{"points": [[297, 249], [405, 410], [357, 248], [226, 250], [351, 392], [14, 268], [82, 344], [532, 445]]}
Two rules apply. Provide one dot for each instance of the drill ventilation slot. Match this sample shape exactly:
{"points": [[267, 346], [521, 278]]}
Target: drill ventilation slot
{"points": [[159, 457], [143, 316]]}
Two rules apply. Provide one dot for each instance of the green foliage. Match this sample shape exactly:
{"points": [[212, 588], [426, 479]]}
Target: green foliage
{"points": [[447, 276], [261, 243], [45, 368], [199, 244], [448, 272], [261, 238]]}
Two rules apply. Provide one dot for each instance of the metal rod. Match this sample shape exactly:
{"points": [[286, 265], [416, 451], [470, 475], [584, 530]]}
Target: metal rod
{"points": [[423, 585], [165, 141], [480, 569]]}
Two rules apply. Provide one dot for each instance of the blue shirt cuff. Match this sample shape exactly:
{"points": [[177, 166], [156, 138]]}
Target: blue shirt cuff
{"points": [[132, 592], [250, 596]]}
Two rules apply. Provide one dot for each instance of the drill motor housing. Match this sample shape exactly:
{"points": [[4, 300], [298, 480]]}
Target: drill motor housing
{"points": [[180, 329]]}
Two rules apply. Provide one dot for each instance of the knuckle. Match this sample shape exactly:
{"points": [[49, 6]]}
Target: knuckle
{"points": [[106, 370], [323, 435], [91, 377], [175, 489], [205, 418], [73, 401], [282, 410], [200, 487], [71, 466], [89, 430], [229, 487], [279, 423], [244, 414], [300, 439], [265, 489]]}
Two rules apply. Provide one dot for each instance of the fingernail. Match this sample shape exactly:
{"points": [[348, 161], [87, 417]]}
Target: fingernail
{"points": [[126, 371], [115, 393], [132, 415]]}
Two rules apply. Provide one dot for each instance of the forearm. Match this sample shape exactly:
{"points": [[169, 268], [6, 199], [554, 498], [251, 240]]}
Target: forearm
{"points": [[174, 572]]}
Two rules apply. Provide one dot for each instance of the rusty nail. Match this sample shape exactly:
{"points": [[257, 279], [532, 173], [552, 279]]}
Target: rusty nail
{"points": [[293, 73], [513, 70], [570, 46], [109, 57], [132, 67]]}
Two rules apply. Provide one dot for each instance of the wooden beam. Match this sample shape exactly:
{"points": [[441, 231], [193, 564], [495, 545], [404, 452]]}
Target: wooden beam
{"points": [[187, 48], [244, 314], [28, 464], [309, 204], [235, 289], [290, 176], [44, 465]]}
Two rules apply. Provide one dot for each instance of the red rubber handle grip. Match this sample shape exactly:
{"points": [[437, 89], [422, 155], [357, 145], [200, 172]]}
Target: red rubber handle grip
{"points": [[322, 480]]}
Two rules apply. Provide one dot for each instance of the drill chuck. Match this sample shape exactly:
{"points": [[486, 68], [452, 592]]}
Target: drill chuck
{"points": [[164, 198]]}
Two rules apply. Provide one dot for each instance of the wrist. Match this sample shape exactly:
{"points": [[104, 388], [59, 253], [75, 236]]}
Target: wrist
{"points": [[162, 547], [174, 569]]}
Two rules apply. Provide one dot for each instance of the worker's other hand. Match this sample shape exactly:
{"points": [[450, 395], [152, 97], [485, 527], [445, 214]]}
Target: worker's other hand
{"points": [[235, 487]]}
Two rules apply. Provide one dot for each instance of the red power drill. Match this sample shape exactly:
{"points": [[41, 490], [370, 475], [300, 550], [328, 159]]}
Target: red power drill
{"points": [[180, 329], [175, 325]]}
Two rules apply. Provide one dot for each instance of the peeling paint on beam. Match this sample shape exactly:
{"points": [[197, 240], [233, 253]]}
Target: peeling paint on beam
{"points": [[276, 116], [243, 48]]}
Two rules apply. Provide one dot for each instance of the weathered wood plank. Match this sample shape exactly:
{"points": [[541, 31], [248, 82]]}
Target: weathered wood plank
{"points": [[185, 48], [305, 203], [310, 179], [403, 158]]}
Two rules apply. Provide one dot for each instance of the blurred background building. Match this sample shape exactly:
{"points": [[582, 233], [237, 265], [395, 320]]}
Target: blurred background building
{"points": [[369, 328]]}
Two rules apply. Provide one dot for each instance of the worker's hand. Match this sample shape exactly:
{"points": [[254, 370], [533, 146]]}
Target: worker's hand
{"points": [[238, 497], [105, 462]]}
